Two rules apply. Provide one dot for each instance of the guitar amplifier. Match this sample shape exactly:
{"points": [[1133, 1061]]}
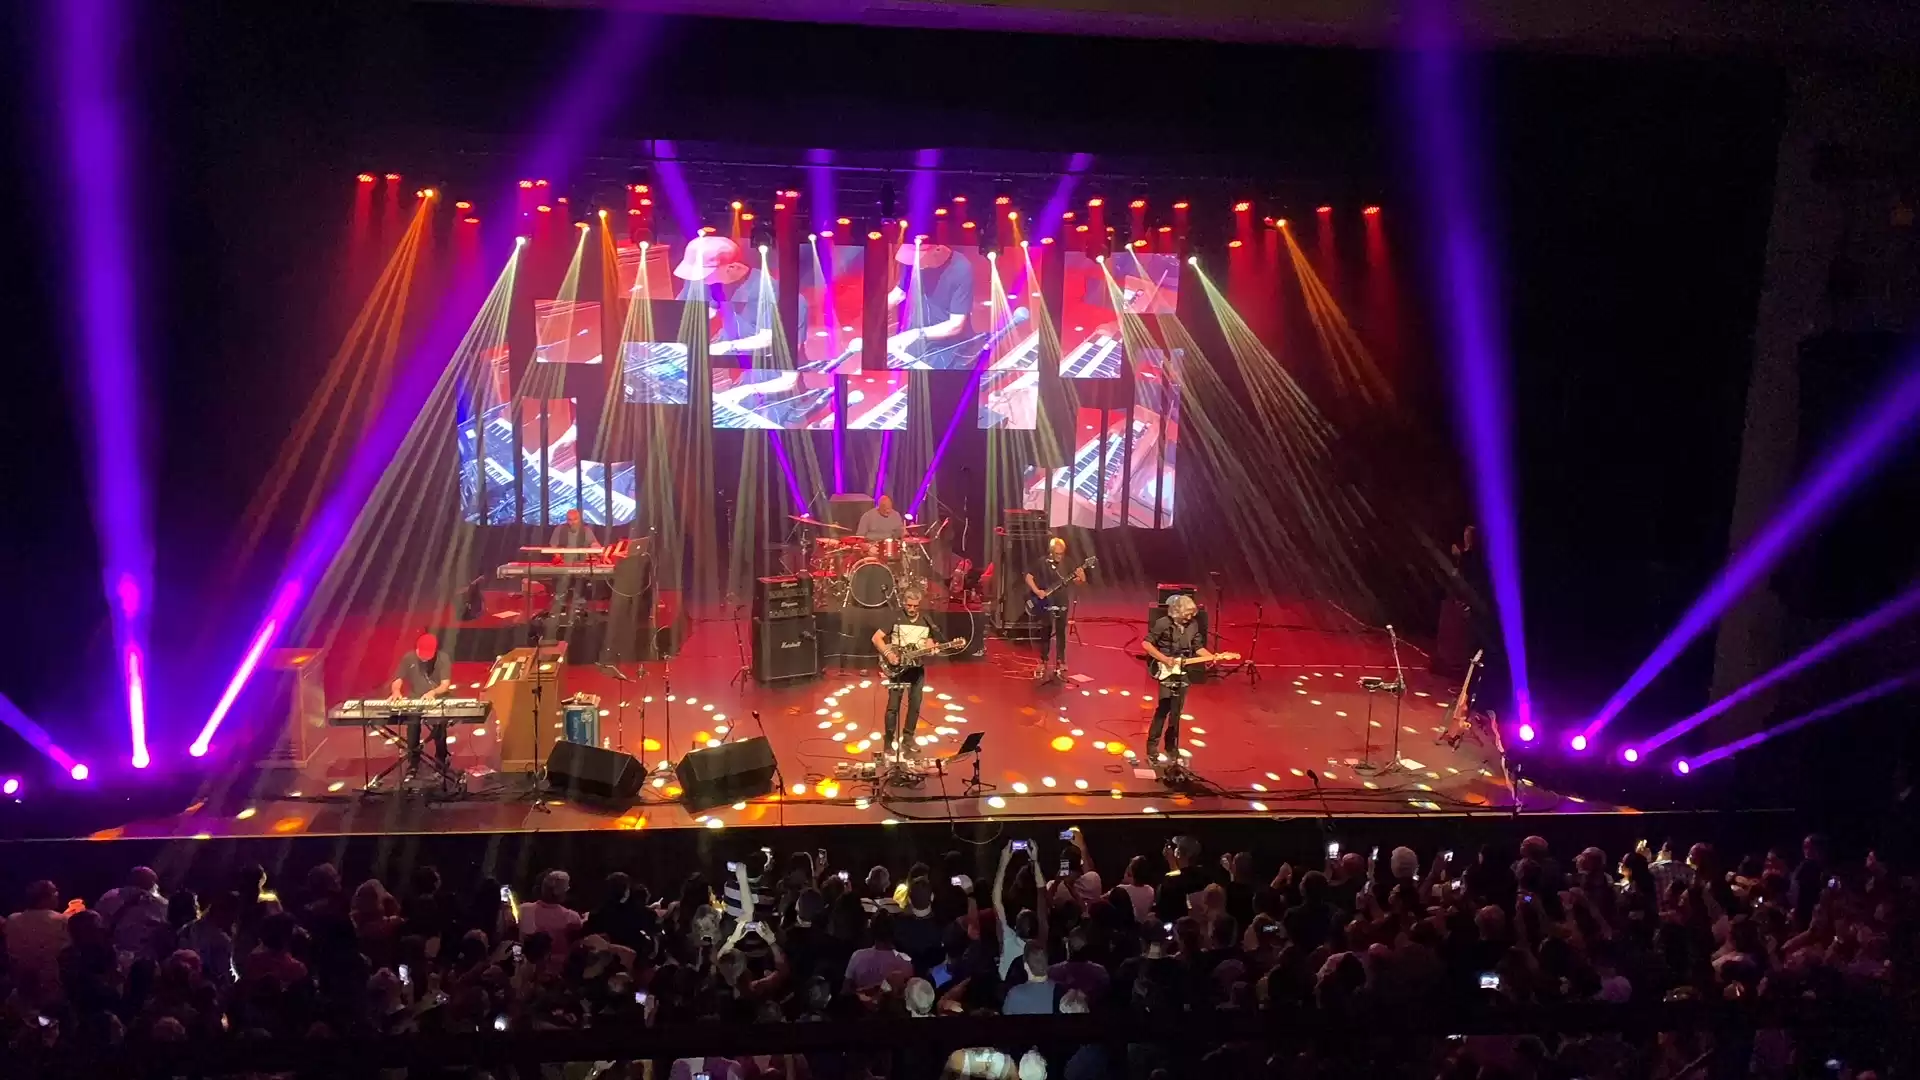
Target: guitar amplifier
{"points": [[783, 597], [785, 649], [1156, 612], [1024, 523], [1175, 588]]}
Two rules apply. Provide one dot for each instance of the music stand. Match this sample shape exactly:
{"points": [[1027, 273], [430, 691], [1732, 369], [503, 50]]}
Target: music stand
{"points": [[613, 672], [971, 745]]}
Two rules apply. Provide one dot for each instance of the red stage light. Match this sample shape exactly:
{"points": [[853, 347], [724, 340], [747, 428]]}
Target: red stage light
{"points": [[792, 194], [544, 208], [1046, 239], [1370, 211], [646, 202], [526, 183], [562, 200], [736, 204], [463, 205], [471, 220], [843, 221], [393, 176], [366, 178], [1068, 216], [746, 217], [1323, 210], [1233, 243], [1281, 223], [967, 225], [707, 230], [1079, 228], [1166, 228], [633, 211], [939, 211], [779, 206], [1242, 207], [1138, 204], [1002, 200], [828, 233], [1181, 205], [1139, 243], [873, 236], [539, 183]]}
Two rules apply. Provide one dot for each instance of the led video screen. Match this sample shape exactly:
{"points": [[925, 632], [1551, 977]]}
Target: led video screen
{"points": [[877, 401], [494, 491], [1010, 399], [1156, 424], [773, 400], [658, 283], [566, 332], [1091, 343], [742, 299], [833, 296], [939, 308], [655, 373]]}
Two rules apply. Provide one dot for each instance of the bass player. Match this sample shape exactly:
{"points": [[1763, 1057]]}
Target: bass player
{"points": [[904, 647], [1052, 602]]}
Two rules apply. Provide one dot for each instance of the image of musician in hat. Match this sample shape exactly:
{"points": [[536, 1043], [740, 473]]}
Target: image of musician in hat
{"points": [[742, 299], [932, 308]]}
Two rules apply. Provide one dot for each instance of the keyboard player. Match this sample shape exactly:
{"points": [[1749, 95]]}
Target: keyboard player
{"points": [[424, 674], [573, 533]]}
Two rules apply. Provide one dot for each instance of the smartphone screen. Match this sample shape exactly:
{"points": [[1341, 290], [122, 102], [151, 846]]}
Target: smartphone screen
{"points": [[500, 1023], [955, 881], [406, 975], [1019, 845], [1489, 980], [1333, 849], [1066, 834], [506, 894], [843, 875]]}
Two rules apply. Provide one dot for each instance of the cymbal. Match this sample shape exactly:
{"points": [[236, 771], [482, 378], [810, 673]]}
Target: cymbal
{"points": [[816, 522], [919, 539]]}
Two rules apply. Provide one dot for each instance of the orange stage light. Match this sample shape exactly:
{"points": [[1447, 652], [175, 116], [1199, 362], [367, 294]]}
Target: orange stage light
{"points": [[1046, 239], [1002, 200], [633, 211], [562, 200], [1079, 228], [939, 211], [1323, 210], [539, 183], [1166, 228], [544, 208], [967, 225], [1013, 215], [1096, 201], [646, 202], [791, 194], [1233, 243], [746, 217], [1181, 205], [463, 205], [843, 221], [1068, 216], [779, 206], [1370, 211], [1282, 223], [828, 233], [393, 176], [875, 235], [366, 178], [1242, 207], [471, 220], [1138, 204], [707, 230], [736, 204], [959, 198], [1139, 243], [526, 183]]}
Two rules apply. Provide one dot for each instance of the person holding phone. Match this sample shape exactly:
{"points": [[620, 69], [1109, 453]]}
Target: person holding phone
{"points": [[550, 915], [1077, 879], [1186, 874]]}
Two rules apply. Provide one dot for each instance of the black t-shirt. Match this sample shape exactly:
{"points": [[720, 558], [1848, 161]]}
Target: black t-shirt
{"points": [[1172, 900], [744, 308], [939, 295], [1056, 574], [1174, 639], [418, 676]]}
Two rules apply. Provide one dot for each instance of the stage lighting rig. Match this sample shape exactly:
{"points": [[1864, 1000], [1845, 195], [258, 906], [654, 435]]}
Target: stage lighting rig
{"points": [[889, 202], [762, 236]]}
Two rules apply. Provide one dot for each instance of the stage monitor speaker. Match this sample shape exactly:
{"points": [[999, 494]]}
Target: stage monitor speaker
{"points": [[578, 769], [729, 773], [785, 649], [1155, 612]]}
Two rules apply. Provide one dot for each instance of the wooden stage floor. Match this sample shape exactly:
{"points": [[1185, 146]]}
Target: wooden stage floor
{"points": [[1050, 751]]}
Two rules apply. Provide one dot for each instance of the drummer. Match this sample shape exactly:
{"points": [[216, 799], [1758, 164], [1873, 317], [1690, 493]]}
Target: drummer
{"points": [[882, 522]]}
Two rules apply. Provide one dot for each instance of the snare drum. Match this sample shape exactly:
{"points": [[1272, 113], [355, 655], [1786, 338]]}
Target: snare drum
{"points": [[870, 584]]}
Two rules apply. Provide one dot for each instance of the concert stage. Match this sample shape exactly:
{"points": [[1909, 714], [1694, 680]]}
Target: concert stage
{"points": [[1049, 751]]}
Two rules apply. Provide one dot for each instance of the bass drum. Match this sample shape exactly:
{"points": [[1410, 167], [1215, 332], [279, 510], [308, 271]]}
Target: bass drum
{"points": [[870, 584]]}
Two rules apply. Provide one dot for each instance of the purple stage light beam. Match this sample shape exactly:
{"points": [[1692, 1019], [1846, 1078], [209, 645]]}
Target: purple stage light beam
{"points": [[92, 37], [820, 200], [1871, 693], [1856, 631], [921, 191], [1883, 426], [1470, 311], [1049, 224], [673, 184], [36, 736]]}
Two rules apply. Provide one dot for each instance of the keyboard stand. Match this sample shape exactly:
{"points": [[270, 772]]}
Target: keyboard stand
{"points": [[411, 757]]}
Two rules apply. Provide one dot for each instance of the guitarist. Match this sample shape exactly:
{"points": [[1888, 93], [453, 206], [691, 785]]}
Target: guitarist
{"points": [[1052, 601], [913, 626], [1173, 636]]}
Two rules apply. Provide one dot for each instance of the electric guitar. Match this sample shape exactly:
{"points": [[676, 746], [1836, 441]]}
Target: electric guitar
{"points": [[1460, 719], [1177, 671], [912, 656], [1040, 604]]}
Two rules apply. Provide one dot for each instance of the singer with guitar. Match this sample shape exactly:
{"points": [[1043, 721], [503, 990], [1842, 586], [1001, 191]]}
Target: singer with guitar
{"points": [[1173, 644], [904, 649], [1051, 603]]}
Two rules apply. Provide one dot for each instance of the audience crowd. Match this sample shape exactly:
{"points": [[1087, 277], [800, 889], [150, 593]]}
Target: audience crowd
{"points": [[797, 938]]}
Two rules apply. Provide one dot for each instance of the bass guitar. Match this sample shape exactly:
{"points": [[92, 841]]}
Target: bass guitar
{"points": [[913, 656], [1038, 605], [1176, 672]]}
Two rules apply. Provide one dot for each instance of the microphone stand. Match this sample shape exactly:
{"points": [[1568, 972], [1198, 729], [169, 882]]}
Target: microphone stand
{"points": [[1398, 688], [739, 646], [1253, 647]]}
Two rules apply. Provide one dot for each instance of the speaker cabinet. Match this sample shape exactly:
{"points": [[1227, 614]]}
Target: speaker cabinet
{"points": [[724, 774], [785, 649], [578, 769]]}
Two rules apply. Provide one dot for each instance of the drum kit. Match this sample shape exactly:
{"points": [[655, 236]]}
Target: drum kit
{"points": [[851, 571]]}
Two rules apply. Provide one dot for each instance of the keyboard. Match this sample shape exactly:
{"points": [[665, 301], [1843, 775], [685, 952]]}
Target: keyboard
{"points": [[356, 712], [537, 570]]}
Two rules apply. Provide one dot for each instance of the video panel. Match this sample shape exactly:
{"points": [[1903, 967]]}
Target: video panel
{"points": [[833, 284], [655, 373], [772, 400], [1156, 421], [877, 401], [1091, 342], [742, 299], [939, 308], [1010, 399], [566, 332]]}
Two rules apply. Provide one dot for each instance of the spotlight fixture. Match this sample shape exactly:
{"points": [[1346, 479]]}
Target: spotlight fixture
{"points": [[843, 221], [1193, 260], [813, 237], [1242, 207], [10, 787], [939, 211], [544, 208], [539, 183], [826, 234], [736, 204], [526, 183], [874, 235], [1370, 211], [603, 213], [1323, 209], [1138, 204], [520, 241], [1046, 239], [1527, 733], [1096, 201], [1002, 200], [968, 225], [1578, 742], [80, 771], [365, 178], [393, 176], [1682, 767], [463, 205], [470, 220], [1068, 216], [1181, 205], [1234, 244], [1630, 755], [1280, 223], [889, 204]]}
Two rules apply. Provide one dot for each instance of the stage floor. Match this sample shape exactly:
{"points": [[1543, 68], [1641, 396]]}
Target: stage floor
{"points": [[1052, 750]]}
